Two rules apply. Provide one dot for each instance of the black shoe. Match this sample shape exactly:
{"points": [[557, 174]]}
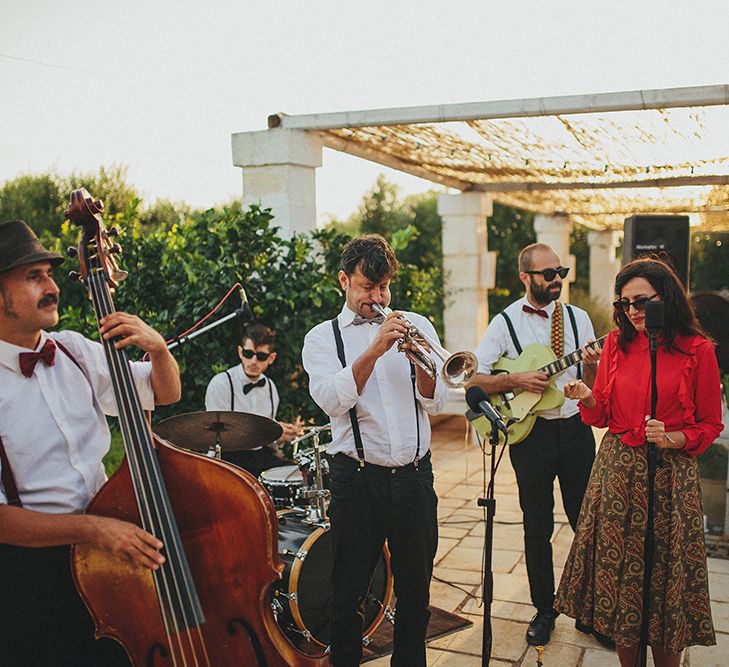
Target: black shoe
{"points": [[601, 639], [540, 628]]}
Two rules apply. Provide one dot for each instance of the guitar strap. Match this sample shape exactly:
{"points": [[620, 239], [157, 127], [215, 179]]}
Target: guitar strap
{"points": [[573, 322], [556, 336], [7, 478]]}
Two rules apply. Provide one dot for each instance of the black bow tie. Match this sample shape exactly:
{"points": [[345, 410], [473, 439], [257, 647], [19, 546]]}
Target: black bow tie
{"points": [[358, 319], [253, 385]]}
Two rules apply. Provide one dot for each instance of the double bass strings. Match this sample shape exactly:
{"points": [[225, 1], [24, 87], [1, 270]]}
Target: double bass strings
{"points": [[181, 611]]}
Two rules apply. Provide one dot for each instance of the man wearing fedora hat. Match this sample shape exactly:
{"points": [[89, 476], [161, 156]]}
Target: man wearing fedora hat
{"points": [[55, 391]]}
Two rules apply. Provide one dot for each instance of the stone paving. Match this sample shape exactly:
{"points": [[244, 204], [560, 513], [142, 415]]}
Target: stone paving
{"points": [[459, 481]]}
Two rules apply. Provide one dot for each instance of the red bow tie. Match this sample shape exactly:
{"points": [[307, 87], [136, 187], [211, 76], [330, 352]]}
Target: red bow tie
{"points": [[28, 360], [535, 311]]}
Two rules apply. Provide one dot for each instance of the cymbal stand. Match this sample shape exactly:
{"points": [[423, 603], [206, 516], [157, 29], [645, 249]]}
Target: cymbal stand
{"points": [[215, 450]]}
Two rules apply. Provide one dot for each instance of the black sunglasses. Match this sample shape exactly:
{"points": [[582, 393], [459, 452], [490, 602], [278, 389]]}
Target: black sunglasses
{"points": [[261, 356], [549, 274], [638, 304]]}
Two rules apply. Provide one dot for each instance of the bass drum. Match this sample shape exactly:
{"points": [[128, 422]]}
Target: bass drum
{"points": [[302, 599]]}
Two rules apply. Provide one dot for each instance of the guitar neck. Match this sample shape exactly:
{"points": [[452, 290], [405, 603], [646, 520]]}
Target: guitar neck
{"points": [[561, 365]]}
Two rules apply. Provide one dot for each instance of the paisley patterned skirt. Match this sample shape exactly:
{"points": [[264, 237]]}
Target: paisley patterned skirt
{"points": [[602, 583]]}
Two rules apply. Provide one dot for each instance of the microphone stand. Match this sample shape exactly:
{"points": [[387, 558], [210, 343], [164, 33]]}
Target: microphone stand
{"points": [[242, 312], [489, 502], [649, 544]]}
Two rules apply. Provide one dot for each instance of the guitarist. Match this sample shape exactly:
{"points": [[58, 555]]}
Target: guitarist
{"points": [[54, 392], [559, 445]]}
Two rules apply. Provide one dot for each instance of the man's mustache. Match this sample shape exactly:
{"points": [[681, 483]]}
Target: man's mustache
{"points": [[48, 300]]}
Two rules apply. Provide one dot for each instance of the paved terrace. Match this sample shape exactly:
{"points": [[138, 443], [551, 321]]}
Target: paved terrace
{"points": [[459, 482]]}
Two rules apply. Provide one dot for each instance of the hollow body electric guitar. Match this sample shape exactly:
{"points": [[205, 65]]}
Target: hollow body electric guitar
{"points": [[518, 408]]}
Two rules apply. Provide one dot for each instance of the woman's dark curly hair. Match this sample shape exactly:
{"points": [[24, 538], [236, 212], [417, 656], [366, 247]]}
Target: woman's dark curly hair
{"points": [[680, 316]]}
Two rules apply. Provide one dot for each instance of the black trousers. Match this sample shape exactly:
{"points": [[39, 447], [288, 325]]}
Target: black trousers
{"points": [[255, 461], [562, 448], [43, 621], [368, 506]]}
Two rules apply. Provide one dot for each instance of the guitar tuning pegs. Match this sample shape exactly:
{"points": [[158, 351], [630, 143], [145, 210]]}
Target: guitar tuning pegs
{"points": [[113, 231], [74, 275], [115, 249], [72, 251]]}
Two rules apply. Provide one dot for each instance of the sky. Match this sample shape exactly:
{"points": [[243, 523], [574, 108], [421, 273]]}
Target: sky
{"points": [[160, 86]]}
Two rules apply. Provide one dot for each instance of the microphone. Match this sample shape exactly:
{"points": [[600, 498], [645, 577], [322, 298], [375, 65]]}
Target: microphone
{"points": [[478, 401], [244, 311], [655, 316]]}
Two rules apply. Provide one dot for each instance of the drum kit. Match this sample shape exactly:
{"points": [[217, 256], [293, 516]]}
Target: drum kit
{"points": [[299, 493]]}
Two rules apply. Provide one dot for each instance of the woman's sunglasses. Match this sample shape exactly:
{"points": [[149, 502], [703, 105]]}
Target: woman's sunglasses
{"points": [[638, 304], [261, 356], [549, 274]]}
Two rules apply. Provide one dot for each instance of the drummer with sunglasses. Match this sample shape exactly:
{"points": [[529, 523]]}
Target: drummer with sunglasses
{"points": [[246, 388]]}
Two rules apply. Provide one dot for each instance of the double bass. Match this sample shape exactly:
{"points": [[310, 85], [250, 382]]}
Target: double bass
{"points": [[209, 604]]}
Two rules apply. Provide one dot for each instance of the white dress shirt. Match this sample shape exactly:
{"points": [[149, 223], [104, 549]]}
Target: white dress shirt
{"points": [[386, 408], [531, 328], [52, 424], [258, 401]]}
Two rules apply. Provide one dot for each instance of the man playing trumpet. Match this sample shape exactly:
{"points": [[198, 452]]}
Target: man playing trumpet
{"points": [[381, 475]]}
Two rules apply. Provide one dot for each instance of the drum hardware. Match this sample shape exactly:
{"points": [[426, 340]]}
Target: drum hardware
{"points": [[539, 650], [301, 555], [458, 369], [302, 598], [390, 614], [317, 513], [205, 431]]}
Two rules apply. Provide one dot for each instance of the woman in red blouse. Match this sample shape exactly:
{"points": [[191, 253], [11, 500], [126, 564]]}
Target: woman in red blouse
{"points": [[602, 583]]}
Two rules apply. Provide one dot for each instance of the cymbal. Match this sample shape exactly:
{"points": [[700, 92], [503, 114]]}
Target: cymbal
{"points": [[199, 431]]}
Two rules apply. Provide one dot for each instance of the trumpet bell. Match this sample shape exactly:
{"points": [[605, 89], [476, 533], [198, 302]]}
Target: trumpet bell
{"points": [[459, 369]]}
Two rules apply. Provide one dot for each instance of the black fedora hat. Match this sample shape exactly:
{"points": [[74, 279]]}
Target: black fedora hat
{"points": [[19, 245]]}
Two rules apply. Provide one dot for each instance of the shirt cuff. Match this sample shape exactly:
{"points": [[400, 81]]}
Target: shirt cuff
{"points": [[440, 397], [346, 387], [142, 371]]}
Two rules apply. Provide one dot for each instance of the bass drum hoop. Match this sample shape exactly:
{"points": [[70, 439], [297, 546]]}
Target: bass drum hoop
{"points": [[296, 568]]}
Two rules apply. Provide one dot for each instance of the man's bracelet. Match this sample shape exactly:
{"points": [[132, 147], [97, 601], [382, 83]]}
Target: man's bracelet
{"points": [[671, 440]]}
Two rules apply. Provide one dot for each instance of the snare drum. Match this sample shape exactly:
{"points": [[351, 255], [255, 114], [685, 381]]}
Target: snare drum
{"points": [[284, 484], [302, 600]]}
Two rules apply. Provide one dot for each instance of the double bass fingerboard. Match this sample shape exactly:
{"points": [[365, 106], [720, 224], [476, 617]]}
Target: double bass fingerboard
{"points": [[179, 603]]}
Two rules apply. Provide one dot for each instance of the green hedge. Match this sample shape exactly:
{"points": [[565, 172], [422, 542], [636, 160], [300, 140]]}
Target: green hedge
{"points": [[177, 275]]}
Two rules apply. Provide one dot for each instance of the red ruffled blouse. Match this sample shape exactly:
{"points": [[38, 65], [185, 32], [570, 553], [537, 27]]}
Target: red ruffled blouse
{"points": [[689, 391]]}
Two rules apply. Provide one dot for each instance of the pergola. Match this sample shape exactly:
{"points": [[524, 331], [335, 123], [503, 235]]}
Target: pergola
{"points": [[586, 159]]}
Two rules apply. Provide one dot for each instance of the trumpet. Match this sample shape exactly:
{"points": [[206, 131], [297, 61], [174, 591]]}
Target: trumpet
{"points": [[458, 368]]}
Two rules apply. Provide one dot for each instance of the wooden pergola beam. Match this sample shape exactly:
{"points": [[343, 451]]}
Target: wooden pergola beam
{"points": [[693, 96], [669, 182]]}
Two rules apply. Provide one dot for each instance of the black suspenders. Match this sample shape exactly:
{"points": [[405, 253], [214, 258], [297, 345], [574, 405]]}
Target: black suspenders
{"points": [[232, 396], [352, 411]]}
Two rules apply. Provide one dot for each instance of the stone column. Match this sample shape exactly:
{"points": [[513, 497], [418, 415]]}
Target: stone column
{"points": [[279, 169], [469, 269], [555, 232], [604, 266]]}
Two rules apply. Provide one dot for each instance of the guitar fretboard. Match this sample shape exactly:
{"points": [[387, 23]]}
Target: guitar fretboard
{"points": [[570, 359]]}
